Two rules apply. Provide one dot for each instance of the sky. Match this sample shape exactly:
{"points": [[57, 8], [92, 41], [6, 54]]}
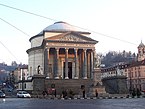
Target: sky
{"points": [[117, 24]]}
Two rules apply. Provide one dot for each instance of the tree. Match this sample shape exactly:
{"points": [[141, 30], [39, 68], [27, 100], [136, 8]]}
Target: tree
{"points": [[112, 58]]}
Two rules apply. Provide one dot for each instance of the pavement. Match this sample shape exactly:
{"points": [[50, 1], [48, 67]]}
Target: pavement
{"points": [[36, 103]]}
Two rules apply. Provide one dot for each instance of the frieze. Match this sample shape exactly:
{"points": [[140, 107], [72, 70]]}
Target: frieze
{"points": [[71, 38], [70, 45]]}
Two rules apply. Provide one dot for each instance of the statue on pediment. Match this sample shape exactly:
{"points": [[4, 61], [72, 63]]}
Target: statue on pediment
{"points": [[71, 38]]}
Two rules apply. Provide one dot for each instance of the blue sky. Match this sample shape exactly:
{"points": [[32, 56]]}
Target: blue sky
{"points": [[121, 19]]}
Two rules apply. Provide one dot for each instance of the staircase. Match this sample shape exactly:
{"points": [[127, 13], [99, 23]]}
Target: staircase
{"points": [[69, 84]]}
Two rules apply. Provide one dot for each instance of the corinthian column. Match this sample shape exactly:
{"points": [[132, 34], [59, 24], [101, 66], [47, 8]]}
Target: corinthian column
{"points": [[57, 63], [47, 67], [92, 63], [66, 63], [85, 64], [76, 64]]}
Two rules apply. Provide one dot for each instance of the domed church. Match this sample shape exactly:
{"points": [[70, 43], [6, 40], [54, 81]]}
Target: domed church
{"points": [[61, 57]]}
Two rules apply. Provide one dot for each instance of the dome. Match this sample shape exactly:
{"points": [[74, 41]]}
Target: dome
{"points": [[60, 27]]}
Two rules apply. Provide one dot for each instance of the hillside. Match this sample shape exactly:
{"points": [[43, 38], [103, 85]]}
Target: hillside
{"points": [[113, 58]]}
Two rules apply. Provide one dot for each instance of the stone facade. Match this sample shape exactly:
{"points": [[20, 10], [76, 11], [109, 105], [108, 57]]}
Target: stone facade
{"points": [[115, 85], [61, 54]]}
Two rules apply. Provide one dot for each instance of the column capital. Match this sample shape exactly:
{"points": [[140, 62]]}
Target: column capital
{"points": [[75, 50], [57, 49], [46, 47], [84, 49], [93, 49], [66, 48]]}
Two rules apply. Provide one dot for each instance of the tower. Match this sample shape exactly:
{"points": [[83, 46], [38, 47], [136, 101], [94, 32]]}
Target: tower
{"points": [[141, 52]]}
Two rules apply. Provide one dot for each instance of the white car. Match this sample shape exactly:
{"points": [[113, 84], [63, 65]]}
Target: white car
{"points": [[23, 94]]}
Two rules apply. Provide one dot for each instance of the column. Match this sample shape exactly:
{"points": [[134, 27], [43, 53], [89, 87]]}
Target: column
{"points": [[85, 64], [76, 76], [66, 63], [57, 63], [47, 64], [92, 63]]}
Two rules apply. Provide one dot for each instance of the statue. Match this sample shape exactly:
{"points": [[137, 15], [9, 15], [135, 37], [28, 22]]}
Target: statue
{"points": [[97, 83], [119, 72], [39, 69], [97, 61]]}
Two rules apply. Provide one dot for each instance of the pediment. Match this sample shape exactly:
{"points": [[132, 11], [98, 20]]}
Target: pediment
{"points": [[70, 37]]}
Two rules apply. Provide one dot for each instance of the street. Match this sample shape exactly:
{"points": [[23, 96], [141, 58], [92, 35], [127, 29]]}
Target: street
{"points": [[35, 103]]}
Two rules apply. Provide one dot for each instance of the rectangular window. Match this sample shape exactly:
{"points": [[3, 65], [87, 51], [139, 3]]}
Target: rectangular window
{"points": [[131, 74], [139, 74], [135, 74], [25, 85]]}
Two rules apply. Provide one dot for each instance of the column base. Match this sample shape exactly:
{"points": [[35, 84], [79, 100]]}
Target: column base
{"points": [[66, 78], [76, 78], [56, 77], [47, 77], [85, 78]]}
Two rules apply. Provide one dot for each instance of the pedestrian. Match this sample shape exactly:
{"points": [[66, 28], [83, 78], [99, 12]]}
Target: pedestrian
{"points": [[43, 93], [138, 93], [96, 91], [53, 92], [71, 94], [133, 93], [84, 93], [64, 94]]}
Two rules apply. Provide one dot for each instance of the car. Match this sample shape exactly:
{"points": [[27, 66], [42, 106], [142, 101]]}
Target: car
{"points": [[2, 94], [23, 94]]}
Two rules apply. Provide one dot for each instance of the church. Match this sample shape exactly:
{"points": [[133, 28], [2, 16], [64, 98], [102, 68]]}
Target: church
{"points": [[62, 56]]}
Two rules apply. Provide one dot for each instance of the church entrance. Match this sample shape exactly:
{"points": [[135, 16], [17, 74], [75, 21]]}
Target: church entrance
{"points": [[69, 70]]}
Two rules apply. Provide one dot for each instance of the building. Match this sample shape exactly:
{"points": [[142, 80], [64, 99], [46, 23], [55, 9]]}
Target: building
{"points": [[141, 52], [115, 79], [61, 56], [136, 75], [22, 81], [134, 71]]}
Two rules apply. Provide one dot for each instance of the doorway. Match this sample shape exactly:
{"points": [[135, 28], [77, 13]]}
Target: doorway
{"points": [[69, 70]]}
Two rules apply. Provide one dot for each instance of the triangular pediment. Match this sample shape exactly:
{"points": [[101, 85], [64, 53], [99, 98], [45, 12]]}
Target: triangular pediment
{"points": [[71, 37]]}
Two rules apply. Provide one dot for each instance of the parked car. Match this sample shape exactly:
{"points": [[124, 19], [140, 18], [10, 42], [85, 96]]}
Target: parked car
{"points": [[23, 94], [2, 94]]}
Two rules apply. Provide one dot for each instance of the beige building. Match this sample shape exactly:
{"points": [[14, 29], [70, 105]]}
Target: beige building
{"points": [[22, 76], [136, 75], [134, 71], [62, 52]]}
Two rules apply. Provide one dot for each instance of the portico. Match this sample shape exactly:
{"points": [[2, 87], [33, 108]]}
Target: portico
{"points": [[70, 63]]}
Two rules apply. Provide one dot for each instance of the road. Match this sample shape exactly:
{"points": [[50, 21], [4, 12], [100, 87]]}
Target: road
{"points": [[35, 103]]}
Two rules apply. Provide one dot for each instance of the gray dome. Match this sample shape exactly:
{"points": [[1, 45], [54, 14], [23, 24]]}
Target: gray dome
{"points": [[61, 27]]}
